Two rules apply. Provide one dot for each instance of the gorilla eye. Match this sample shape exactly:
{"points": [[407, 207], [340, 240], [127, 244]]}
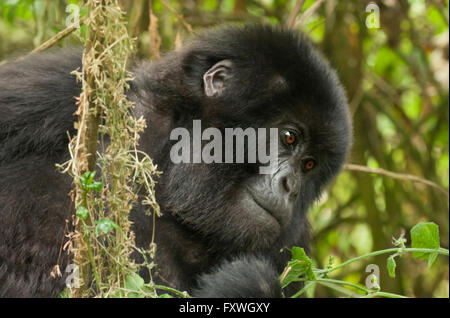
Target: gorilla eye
{"points": [[308, 164], [290, 138]]}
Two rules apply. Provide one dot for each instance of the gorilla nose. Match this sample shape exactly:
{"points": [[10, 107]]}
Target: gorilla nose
{"points": [[289, 185]]}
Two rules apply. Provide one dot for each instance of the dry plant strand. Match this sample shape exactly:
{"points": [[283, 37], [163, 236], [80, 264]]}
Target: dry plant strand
{"points": [[59, 36], [155, 38], [124, 170]]}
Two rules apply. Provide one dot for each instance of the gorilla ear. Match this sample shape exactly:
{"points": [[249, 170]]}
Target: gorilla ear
{"points": [[214, 79]]}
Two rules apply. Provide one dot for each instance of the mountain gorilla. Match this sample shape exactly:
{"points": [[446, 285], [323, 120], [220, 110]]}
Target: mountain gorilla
{"points": [[223, 225]]}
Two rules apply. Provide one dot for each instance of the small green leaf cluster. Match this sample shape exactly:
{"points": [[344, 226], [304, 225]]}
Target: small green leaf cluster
{"points": [[423, 236], [425, 244], [87, 184]]}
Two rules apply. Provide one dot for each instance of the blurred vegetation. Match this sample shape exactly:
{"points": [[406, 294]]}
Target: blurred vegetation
{"points": [[397, 80]]}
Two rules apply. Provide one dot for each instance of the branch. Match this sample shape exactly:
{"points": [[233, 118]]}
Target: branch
{"points": [[395, 175], [441, 251], [179, 16], [62, 34], [155, 38], [311, 10], [290, 22]]}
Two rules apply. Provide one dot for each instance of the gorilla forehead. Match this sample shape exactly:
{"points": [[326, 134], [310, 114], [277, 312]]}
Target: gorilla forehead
{"points": [[264, 53], [274, 69]]}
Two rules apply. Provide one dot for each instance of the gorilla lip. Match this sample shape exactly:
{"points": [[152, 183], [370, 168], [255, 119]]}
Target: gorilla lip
{"points": [[264, 207]]}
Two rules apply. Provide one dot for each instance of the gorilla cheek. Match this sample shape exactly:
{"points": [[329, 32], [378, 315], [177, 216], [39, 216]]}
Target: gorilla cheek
{"points": [[227, 212], [247, 227]]}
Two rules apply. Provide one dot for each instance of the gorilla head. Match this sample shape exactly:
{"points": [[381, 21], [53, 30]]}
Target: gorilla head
{"points": [[251, 77]]}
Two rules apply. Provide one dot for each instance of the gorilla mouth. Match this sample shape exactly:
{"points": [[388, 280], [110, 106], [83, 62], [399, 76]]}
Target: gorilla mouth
{"points": [[259, 202]]}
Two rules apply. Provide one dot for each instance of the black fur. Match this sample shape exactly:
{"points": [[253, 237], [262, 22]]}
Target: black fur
{"points": [[207, 244], [245, 277]]}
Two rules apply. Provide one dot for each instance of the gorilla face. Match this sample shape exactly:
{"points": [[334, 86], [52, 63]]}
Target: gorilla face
{"points": [[237, 205]]}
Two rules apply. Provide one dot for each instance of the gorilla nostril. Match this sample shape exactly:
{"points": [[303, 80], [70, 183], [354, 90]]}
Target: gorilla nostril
{"points": [[285, 185], [289, 186]]}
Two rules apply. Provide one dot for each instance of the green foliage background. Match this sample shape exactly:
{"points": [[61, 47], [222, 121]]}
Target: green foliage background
{"points": [[397, 82]]}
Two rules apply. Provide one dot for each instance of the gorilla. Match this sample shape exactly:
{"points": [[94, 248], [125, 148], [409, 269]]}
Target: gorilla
{"points": [[223, 226]]}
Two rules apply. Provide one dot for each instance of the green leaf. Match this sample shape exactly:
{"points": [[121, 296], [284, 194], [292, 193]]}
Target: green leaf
{"points": [[86, 179], [391, 265], [136, 283], [104, 226], [87, 182], [165, 296], [82, 212], [299, 265], [66, 293], [91, 176], [97, 186], [298, 253], [425, 235]]}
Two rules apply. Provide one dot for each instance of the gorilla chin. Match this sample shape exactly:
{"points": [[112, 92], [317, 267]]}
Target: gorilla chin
{"points": [[258, 227], [264, 215], [260, 208], [263, 218], [263, 197]]}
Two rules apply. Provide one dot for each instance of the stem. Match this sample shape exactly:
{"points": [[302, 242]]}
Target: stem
{"points": [[294, 13], [92, 261], [370, 293], [49, 43], [172, 290], [384, 294], [88, 243], [329, 282], [306, 287], [441, 251], [341, 282], [395, 175], [341, 289]]}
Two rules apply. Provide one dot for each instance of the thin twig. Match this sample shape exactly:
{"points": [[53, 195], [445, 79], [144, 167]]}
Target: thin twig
{"points": [[179, 16], [395, 175], [324, 20], [52, 41], [155, 38], [311, 10], [290, 22]]}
